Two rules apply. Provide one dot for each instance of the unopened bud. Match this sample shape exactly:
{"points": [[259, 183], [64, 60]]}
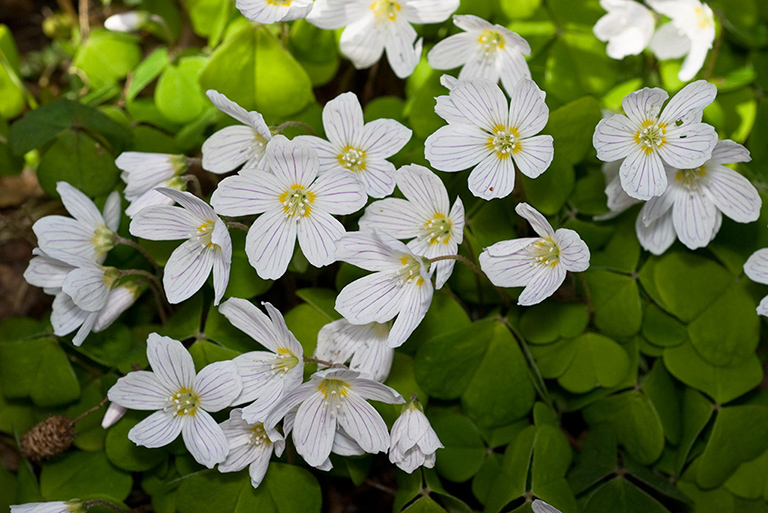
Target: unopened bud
{"points": [[126, 21], [114, 413]]}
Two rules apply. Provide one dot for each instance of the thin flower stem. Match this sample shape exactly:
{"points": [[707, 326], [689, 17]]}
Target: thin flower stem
{"points": [[197, 189], [464, 260], [90, 410], [96, 502], [84, 16], [537, 379], [299, 124], [155, 285], [239, 226], [135, 245], [326, 363]]}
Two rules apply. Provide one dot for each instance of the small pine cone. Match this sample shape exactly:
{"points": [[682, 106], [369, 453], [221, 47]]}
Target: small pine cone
{"points": [[48, 438]]}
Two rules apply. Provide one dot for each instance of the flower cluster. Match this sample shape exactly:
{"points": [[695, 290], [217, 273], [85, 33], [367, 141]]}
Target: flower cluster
{"points": [[629, 26]]}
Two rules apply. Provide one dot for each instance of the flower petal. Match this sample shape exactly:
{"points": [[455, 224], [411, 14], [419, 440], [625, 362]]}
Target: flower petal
{"points": [[493, 177], [363, 424], [402, 54], [217, 385], [158, 430], [644, 105], [658, 235], [378, 178], [231, 147], [535, 155], [269, 244], [171, 362], [544, 282], [191, 202], [429, 11], [456, 147], [453, 51], [527, 111], [395, 216], [140, 390], [292, 162], [482, 102], [694, 219], [375, 391], [164, 222], [693, 97], [538, 222], [79, 205], [229, 107], [370, 251], [643, 175], [250, 192], [614, 138], [338, 192], [61, 236], [733, 194], [669, 42], [688, 146], [314, 429], [415, 302], [574, 252], [66, 315], [317, 235], [187, 270], [512, 270], [756, 266], [204, 439], [423, 188], [729, 152], [362, 43], [512, 65], [373, 298], [382, 138], [246, 317], [87, 287], [343, 119]]}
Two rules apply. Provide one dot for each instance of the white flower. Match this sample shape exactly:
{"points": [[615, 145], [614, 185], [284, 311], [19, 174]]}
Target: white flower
{"points": [[691, 33], [627, 28], [484, 132], [483, 50], [691, 206], [71, 506], [249, 445], [332, 398], [358, 146], [414, 442], [234, 145], [267, 376], [373, 26], [103, 299], [182, 399], [208, 245], [294, 205], [127, 21], [647, 137], [142, 172], [270, 11], [756, 268], [540, 506], [114, 413], [424, 214], [89, 235], [364, 346], [401, 287], [536, 263]]}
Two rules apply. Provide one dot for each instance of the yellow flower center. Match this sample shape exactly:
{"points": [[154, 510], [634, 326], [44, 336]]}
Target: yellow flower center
{"points": [[352, 158], [334, 390], [703, 19], [691, 178], [410, 272], [651, 136], [385, 10], [258, 436], [284, 361], [297, 201], [205, 232], [438, 229], [545, 251], [491, 41], [184, 402], [505, 141]]}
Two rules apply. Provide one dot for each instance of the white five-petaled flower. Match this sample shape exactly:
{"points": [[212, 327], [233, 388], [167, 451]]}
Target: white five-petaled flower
{"points": [[267, 376], [358, 146], [331, 398], [182, 398], [89, 235], [249, 445], [484, 132], [364, 346], [102, 297], [373, 26], [627, 28], [207, 246], [71, 506], [756, 268], [690, 32], [270, 11], [647, 136], [426, 214], [142, 172], [414, 442], [234, 145], [693, 204], [294, 203], [483, 50], [536, 263], [401, 286]]}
